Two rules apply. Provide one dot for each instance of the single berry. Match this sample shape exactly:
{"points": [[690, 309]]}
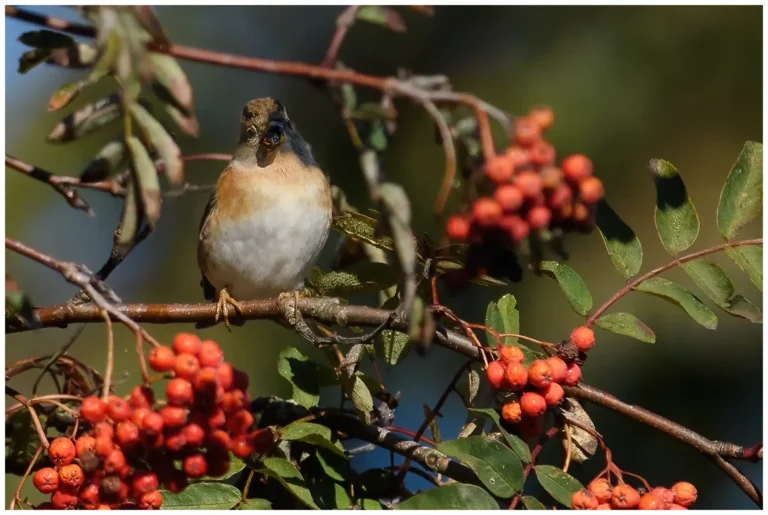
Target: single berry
{"points": [[206, 381], [138, 416], [601, 489], [509, 197], [46, 480], [533, 404], [93, 409], [210, 354], [241, 446], [486, 212], [84, 444], [584, 500], [142, 397], [187, 366], [233, 401], [89, 496], [152, 424], [458, 227], [114, 462], [194, 434], [495, 374], [551, 177], [553, 394], [186, 343], [542, 153], [518, 156], [104, 446], [511, 354], [542, 116], [666, 495], [539, 217], [71, 476], [225, 373], [576, 168], [262, 440], [195, 465], [517, 228], [179, 392], [173, 416], [559, 369], [624, 497], [63, 500], [516, 376], [527, 132], [499, 169], [560, 196], [529, 183], [580, 212], [218, 439], [118, 409], [591, 190], [127, 434], [216, 419], [685, 493], [113, 488], [573, 375], [62, 452], [511, 412], [583, 337], [144, 482], [175, 440], [240, 422], [650, 501], [162, 359], [151, 500], [539, 373]]}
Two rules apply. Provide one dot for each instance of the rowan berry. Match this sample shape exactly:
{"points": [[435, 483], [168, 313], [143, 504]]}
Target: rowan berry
{"points": [[539, 217], [601, 489], [584, 500], [187, 366], [542, 153], [561, 196], [511, 354], [499, 169], [233, 401], [511, 412], [62, 452], [516, 376], [527, 132], [118, 409], [576, 168], [142, 397], [542, 116], [551, 177], [173, 416], [114, 462], [84, 444], [64, 500], [486, 211], [162, 359], [104, 446], [604, 506], [583, 337], [533, 404], [517, 228], [685, 493], [495, 374], [89, 496], [665, 494], [509, 197], [175, 440], [216, 419], [179, 392], [573, 375], [591, 190], [553, 394], [241, 380], [624, 497], [151, 500], [93, 409], [540, 373], [210, 354], [71, 476], [144, 482], [651, 501], [104, 429], [152, 424], [262, 440], [458, 227], [239, 422], [194, 434], [195, 465], [127, 434], [46, 480], [529, 183], [186, 343], [559, 369]]}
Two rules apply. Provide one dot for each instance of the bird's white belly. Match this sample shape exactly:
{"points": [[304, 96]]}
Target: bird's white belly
{"points": [[261, 256]]}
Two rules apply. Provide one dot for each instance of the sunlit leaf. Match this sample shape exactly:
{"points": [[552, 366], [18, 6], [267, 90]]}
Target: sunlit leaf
{"points": [[742, 195], [583, 444], [392, 346], [676, 220], [620, 240], [168, 150], [174, 82], [202, 496], [86, 120], [560, 485], [361, 277], [129, 220], [626, 324], [302, 373], [500, 470], [105, 163], [750, 259], [148, 182], [290, 477], [313, 434], [468, 387], [685, 299], [714, 282], [531, 503], [357, 392], [455, 496], [255, 504], [573, 286], [517, 445]]}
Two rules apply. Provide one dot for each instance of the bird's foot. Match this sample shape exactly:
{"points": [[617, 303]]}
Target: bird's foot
{"points": [[222, 308]]}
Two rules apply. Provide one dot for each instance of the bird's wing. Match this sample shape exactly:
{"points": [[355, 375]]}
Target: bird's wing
{"points": [[209, 292]]}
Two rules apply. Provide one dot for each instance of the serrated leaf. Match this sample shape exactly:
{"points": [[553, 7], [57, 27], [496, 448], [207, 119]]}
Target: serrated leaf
{"points": [[621, 242], [168, 150], [676, 219], [454, 496], [626, 324], [714, 282], [255, 504], [173, 82], [313, 434], [682, 297], [531, 503], [202, 496], [384, 16], [46, 39], [148, 182], [105, 163], [468, 387], [750, 259], [357, 392], [584, 445], [86, 120], [499, 469], [290, 477], [573, 286], [362, 277], [517, 445], [560, 485], [32, 58], [742, 196], [392, 346], [302, 373]]}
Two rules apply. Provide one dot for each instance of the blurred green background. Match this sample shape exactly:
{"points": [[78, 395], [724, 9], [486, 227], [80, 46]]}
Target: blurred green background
{"points": [[627, 84]]}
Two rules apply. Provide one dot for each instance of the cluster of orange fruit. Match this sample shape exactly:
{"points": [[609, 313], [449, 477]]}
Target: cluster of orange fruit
{"points": [[601, 495]]}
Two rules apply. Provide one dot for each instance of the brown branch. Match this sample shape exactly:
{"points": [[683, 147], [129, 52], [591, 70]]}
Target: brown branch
{"points": [[35, 419], [70, 195], [343, 23], [110, 356], [17, 495], [656, 271], [78, 29]]}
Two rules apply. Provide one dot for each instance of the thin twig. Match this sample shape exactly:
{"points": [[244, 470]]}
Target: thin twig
{"points": [[343, 23], [70, 195], [450, 155], [17, 495], [35, 419], [110, 357], [56, 357]]}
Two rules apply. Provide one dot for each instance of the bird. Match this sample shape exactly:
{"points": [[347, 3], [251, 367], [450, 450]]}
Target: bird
{"points": [[268, 217]]}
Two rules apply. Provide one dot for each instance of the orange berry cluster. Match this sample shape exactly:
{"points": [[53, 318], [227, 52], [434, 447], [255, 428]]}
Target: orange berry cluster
{"points": [[527, 192], [133, 444], [600, 495]]}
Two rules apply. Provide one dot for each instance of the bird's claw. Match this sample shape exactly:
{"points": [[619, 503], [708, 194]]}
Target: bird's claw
{"points": [[222, 310]]}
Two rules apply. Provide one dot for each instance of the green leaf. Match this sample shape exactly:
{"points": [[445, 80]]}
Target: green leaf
{"points": [[517, 445], [236, 465], [32, 58], [626, 324], [455, 496], [21, 441], [717, 286], [572, 284], [46, 39], [503, 317], [313, 434], [86, 120], [750, 259], [371, 504], [290, 477], [302, 373], [187, 123], [105, 163], [560, 485], [531, 503], [149, 184], [357, 392], [468, 387], [334, 467], [742, 195], [129, 220], [363, 228], [167, 149], [493, 320], [362, 277], [676, 220], [330, 494], [685, 299], [384, 16], [620, 240], [392, 346], [202, 496], [65, 94], [499, 469], [255, 504], [171, 81]]}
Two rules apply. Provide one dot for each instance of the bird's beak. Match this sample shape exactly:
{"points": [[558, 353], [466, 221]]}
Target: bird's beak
{"points": [[275, 135]]}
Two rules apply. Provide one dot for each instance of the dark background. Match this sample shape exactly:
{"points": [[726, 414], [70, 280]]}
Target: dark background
{"points": [[627, 84]]}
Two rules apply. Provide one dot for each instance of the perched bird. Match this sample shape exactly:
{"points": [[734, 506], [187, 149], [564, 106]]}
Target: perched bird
{"points": [[269, 216]]}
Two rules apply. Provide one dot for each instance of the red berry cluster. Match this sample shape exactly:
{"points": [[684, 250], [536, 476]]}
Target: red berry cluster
{"points": [[132, 445], [601, 495]]}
